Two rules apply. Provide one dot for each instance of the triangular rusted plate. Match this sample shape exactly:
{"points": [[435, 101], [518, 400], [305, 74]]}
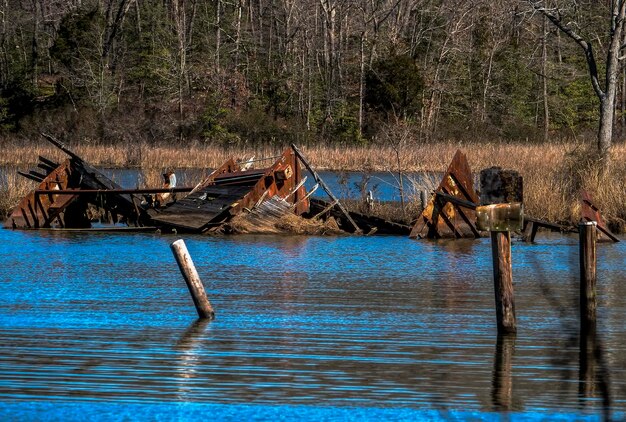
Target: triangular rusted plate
{"points": [[444, 219], [589, 212]]}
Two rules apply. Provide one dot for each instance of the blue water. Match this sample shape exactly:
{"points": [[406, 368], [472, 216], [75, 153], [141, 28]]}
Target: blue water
{"points": [[102, 327], [385, 186]]}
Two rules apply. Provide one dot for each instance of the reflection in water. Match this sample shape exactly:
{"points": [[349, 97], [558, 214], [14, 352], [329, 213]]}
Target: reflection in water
{"points": [[192, 335], [189, 356], [593, 378], [502, 385]]}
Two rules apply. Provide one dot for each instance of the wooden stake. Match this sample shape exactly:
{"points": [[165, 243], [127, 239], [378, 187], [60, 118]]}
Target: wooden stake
{"points": [[503, 281], [587, 249], [192, 279]]}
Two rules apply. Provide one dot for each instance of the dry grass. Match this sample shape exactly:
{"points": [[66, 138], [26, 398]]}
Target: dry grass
{"points": [[553, 173], [13, 188]]}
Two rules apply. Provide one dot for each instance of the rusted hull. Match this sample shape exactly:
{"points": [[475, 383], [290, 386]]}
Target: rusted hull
{"points": [[228, 191], [44, 208], [42, 211]]}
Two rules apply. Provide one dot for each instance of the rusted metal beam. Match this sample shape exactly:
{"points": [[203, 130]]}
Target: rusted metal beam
{"points": [[50, 163], [61, 146], [30, 176], [319, 180], [110, 191], [456, 201]]}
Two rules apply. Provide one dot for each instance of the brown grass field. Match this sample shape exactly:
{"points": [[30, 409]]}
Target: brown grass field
{"points": [[553, 173]]}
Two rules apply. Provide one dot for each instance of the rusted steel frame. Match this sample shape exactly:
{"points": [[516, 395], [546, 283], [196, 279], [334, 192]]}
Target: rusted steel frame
{"points": [[458, 204], [33, 214], [43, 210], [61, 146], [25, 217], [319, 180], [48, 162], [603, 229], [446, 220], [593, 214], [433, 233], [456, 201], [462, 189], [608, 234], [433, 223], [109, 191], [30, 176]]}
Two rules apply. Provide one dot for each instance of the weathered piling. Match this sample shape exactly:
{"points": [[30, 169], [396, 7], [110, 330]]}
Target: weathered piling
{"points": [[192, 279], [503, 281], [501, 210], [587, 254]]}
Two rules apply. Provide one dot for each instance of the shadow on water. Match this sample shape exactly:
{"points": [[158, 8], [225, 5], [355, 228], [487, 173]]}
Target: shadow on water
{"points": [[593, 372], [593, 377]]}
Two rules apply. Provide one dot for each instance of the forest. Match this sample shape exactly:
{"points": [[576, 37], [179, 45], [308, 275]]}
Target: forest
{"points": [[242, 72]]}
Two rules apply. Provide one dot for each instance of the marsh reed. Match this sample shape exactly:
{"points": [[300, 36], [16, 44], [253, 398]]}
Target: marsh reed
{"points": [[13, 188]]}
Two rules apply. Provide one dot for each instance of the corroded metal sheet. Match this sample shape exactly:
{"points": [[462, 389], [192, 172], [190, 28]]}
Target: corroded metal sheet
{"points": [[445, 217], [229, 190], [589, 212], [43, 211], [44, 208]]}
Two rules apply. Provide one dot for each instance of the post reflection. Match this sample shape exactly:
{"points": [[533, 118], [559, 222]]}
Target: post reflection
{"points": [[502, 383], [192, 335], [188, 357], [593, 377]]}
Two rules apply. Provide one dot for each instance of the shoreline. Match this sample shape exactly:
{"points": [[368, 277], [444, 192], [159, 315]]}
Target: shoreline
{"points": [[554, 174]]}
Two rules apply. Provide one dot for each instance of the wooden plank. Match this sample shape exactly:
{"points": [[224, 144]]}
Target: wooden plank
{"points": [[200, 208], [503, 281]]}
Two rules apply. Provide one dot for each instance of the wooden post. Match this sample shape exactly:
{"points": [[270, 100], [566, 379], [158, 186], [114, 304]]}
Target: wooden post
{"points": [[503, 281], [192, 279], [498, 186], [587, 247]]}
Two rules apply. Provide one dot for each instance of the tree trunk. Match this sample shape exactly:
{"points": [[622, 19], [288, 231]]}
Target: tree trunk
{"points": [[544, 78], [607, 93], [605, 132], [361, 83]]}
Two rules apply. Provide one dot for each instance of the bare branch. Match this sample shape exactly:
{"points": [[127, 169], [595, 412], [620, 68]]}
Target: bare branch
{"points": [[557, 21]]}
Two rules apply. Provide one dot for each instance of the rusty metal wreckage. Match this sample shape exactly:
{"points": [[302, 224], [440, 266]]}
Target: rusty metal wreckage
{"points": [[260, 196]]}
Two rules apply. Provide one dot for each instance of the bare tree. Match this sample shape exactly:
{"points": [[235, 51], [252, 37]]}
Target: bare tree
{"points": [[606, 89]]}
